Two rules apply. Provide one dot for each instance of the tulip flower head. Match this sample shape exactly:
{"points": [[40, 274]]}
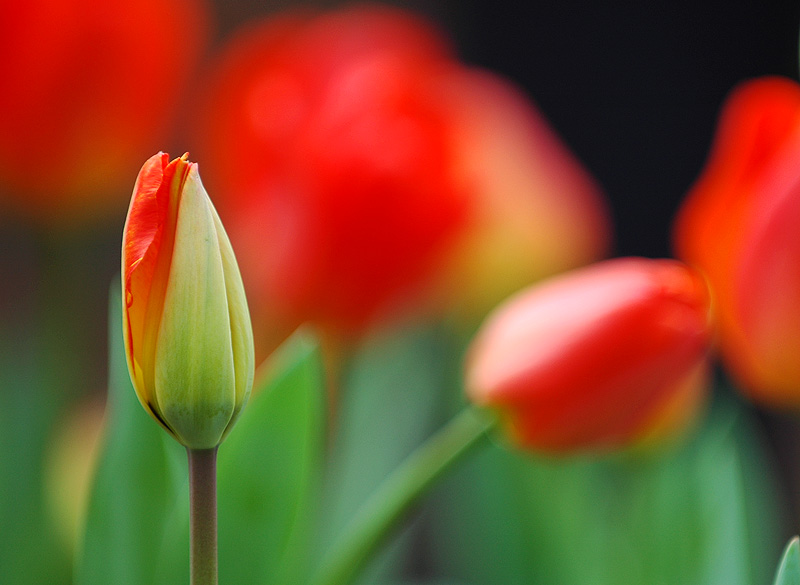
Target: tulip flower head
{"points": [[388, 178], [349, 175], [188, 339], [739, 225], [598, 358]]}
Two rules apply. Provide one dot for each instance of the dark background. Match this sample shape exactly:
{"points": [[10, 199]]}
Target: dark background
{"points": [[633, 87]]}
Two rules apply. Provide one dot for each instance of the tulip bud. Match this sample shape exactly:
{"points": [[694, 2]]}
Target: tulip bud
{"points": [[596, 358], [739, 225], [188, 337]]}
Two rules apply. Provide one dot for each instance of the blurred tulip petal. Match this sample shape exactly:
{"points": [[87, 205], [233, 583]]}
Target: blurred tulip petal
{"points": [[739, 225]]}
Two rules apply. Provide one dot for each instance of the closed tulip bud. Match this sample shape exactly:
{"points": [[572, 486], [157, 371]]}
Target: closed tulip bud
{"points": [[188, 338], [598, 358], [739, 225]]}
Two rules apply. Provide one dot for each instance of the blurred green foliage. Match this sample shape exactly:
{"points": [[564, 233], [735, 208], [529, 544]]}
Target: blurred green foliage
{"points": [[700, 512]]}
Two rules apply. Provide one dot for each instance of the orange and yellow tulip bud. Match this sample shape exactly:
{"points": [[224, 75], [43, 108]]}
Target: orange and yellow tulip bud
{"points": [[188, 338], [739, 225], [598, 358]]}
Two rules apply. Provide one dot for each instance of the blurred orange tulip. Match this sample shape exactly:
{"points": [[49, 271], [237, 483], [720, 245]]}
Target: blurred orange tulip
{"points": [[375, 164], [89, 88], [597, 358], [739, 225]]}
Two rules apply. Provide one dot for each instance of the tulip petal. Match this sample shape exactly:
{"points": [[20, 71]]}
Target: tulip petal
{"points": [[194, 374], [141, 244], [241, 329]]}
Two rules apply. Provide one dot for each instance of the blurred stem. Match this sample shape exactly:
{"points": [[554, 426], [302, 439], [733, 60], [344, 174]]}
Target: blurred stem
{"points": [[382, 510], [203, 511]]}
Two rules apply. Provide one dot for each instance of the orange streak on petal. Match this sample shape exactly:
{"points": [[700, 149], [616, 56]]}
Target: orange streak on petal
{"points": [[159, 264], [141, 244]]}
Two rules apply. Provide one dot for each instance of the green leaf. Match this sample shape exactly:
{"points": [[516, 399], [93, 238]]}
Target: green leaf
{"points": [[269, 470], [136, 484], [789, 568]]}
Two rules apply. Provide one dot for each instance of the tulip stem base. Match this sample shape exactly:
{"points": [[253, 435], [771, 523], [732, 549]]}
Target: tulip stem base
{"points": [[203, 513], [391, 500]]}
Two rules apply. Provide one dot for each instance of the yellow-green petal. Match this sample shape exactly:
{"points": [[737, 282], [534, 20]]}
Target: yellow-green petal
{"points": [[195, 381]]}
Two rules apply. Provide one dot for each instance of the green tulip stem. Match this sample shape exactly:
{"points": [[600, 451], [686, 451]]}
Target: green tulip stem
{"points": [[380, 513], [203, 513]]}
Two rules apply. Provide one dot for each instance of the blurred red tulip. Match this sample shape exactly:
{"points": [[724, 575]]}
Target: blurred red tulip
{"points": [[89, 88], [348, 198], [597, 358], [739, 225], [375, 164]]}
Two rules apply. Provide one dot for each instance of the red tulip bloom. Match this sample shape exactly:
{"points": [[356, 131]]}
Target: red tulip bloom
{"points": [[348, 198], [89, 88], [739, 225], [596, 358], [362, 136]]}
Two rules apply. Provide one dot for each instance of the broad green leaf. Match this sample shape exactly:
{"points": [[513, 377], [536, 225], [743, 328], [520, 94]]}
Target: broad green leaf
{"points": [[269, 471], [136, 483], [789, 568], [388, 402], [701, 513]]}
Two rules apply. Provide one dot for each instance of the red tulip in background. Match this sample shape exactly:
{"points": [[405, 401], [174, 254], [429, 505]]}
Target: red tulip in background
{"points": [[355, 158], [596, 358], [739, 225], [89, 88]]}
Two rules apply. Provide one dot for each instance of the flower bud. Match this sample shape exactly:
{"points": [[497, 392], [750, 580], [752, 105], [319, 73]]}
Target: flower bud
{"points": [[188, 338], [597, 358], [739, 225]]}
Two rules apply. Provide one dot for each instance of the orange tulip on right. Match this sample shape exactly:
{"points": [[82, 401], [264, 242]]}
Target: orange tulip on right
{"points": [[739, 225]]}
